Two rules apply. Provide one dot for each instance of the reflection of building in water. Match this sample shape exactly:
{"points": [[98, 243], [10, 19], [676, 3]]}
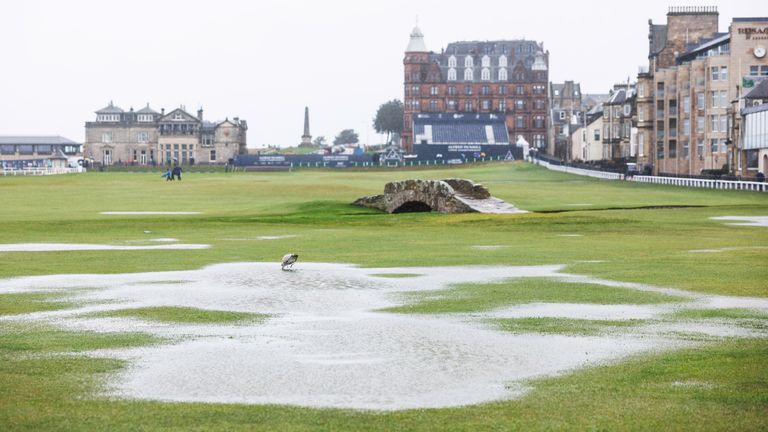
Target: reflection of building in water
{"points": [[146, 137]]}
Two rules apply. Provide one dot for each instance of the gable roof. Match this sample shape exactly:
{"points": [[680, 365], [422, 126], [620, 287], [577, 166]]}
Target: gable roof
{"points": [[187, 116], [760, 91], [147, 110]]}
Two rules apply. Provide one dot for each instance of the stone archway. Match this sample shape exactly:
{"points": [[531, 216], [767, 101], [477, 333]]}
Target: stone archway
{"points": [[413, 207]]}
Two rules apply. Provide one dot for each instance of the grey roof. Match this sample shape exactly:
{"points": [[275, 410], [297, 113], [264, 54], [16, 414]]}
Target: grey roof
{"points": [[705, 44], [147, 110], [658, 39], [754, 109], [33, 139], [499, 47], [617, 98], [760, 91], [110, 109]]}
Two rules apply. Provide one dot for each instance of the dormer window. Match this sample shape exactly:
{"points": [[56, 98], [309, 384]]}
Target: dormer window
{"points": [[178, 116], [468, 62], [452, 61], [145, 118], [502, 74], [503, 61], [485, 74], [486, 61], [451, 74], [108, 117], [468, 75]]}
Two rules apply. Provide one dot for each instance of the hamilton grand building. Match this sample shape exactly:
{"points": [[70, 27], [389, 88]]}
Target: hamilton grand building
{"points": [[474, 98], [690, 100]]}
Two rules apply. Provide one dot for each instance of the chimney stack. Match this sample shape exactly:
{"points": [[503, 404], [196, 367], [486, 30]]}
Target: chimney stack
{"points": [[200, 114]]}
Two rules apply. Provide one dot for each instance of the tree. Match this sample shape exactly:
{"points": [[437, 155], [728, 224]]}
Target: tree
{"points": [[347, 136], [389, 119], [319, 141]]}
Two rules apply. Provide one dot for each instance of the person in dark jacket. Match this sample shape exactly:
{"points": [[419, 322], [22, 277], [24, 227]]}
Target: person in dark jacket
{"points": [[177, 172], [760, 177]]}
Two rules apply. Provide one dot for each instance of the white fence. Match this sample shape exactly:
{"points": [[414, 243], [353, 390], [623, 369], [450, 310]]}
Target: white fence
{"points": [[672, 181], [703, 183], [582, 171], [40, 171]]}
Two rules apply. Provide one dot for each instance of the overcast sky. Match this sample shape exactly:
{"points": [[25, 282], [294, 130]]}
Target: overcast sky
{"points": [[264, 61]]}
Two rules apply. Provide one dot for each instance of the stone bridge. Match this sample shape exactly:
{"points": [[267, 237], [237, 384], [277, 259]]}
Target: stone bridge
{"points": [[444, 196]]}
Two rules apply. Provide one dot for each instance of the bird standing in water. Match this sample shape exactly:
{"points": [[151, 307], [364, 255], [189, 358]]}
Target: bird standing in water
{"points": [[288, 261]]}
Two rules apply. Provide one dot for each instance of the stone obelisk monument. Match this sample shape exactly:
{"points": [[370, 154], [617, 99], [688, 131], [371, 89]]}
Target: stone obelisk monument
{"points": [[306, 138]]}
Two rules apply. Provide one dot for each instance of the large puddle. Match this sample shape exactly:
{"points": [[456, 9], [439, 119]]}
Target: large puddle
{"points": [[328, 345]]}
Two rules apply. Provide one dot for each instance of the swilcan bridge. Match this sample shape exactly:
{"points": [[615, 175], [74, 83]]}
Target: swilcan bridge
{"points": [[443, 196]]}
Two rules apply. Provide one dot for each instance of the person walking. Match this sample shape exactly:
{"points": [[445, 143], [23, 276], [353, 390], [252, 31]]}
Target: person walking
{"points": [[168, 176], [177, 172]]}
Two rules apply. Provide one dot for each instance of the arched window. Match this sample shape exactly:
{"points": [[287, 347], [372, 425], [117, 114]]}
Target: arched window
{"points": [[486, 61], [452, 61], [468, 74], [502, 74], [503, 61], [452, 74], [468, 62], [485, 74]]}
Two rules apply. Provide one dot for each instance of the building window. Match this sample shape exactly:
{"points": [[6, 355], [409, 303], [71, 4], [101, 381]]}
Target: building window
{"points": [[520, 122], [485, 90], [686, 150], [596, 134], [700, 100], [433, 90], [627, 110], [503, 61], [142, 137], [468, 106], [468, 62], [540, 103], [433, 105], [641, 90], [538, 141], [714, 123], [451, 74], [467, 89], [724, 73], [502, 105], [519, 104], [538, 89], [451, 90], [415, 90], [686, 104], [538, 122], [641, 114], [451, 105], [713, 145], [145, 118], [672, 149], [700, 124], [502, 74], [686, 127], [106, 137], [485, 104], [723, 123], [502, 89], [107, 158], [486, 61], [715, 73], [520, 90], [213, 155], [660, 150], [452, 61], [485, 74], [700, 147], [468, 74], [562, 115]]}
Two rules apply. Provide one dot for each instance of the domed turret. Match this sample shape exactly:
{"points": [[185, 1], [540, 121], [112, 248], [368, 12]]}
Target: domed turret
{"points": [[416, 44]]}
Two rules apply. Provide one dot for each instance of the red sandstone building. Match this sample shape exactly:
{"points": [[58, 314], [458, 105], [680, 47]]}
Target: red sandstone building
{"points": [[479, 86]]}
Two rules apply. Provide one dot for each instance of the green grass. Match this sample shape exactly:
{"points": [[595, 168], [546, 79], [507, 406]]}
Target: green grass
{"points": [[22, 303], [566, 326], [719, 314], [481, 297], [186, 315], [46, 385]]}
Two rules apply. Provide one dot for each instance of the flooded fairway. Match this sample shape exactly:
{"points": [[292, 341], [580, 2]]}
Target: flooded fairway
{"points": [[328, 342]]}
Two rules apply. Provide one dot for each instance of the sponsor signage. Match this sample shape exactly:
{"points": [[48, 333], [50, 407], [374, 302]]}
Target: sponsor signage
{"points": [[754, 33]]}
